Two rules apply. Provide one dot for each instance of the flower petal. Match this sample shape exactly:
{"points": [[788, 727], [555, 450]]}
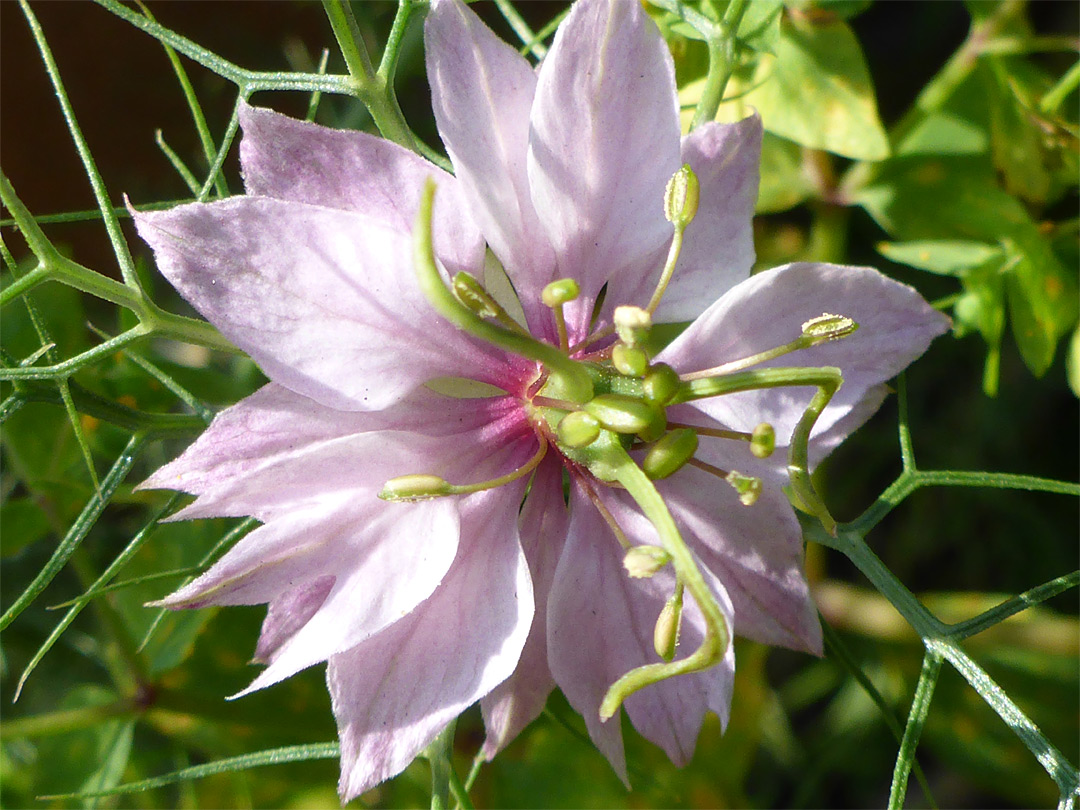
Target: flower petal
{"points": [[718, 246], [481, 92], [387, 559], [600, 624], [325, 301], [517, 701], [290, 612], [767, 310], [353, 171], [604, 143], [277, 452], [756, 551], [393, 693]]}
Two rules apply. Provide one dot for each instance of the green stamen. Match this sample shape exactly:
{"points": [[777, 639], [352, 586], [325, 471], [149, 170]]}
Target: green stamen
{"points": [[422, 487], [555, 295]]}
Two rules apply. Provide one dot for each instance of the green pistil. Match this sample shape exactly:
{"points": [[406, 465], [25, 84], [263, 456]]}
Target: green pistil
{"points": [[576, 383]]}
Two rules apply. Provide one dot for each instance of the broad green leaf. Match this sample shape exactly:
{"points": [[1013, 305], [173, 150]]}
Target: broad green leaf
{"points": [[784, 184], [946, 257], [1042, 301], [23, 523], [817, 90], [1015, 139]]}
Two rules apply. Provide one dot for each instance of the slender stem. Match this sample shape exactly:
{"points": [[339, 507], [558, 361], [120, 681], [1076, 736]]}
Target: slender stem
{"points": [[576, 383], [439, 756], [112, 226], [920, 709], [722, 59], [350, 40], [1057, 94], [521, 28], [1011, 607], [392, 51]]}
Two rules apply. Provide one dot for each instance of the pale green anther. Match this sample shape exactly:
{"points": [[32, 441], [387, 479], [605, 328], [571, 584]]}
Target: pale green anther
{"points": [[621, 414], [642, 562], [668, 625], [577, 429], [681, 197], [560, 292], [763, 440], [415, 488], [472, 294], [670, 454], [828, 327], [748, 487], [629, 361], [661, 384], [632, 324]]}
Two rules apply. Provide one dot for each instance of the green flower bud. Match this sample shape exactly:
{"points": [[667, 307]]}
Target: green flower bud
{"points": [[669, 454], [681, 197], [620, 413], [666, 632], [748, 487], [828, 327], [643, 561], [661, 383], [577, 429], [629, 360], [559, 292], [414, 488], [632, 324], [763, 440]]}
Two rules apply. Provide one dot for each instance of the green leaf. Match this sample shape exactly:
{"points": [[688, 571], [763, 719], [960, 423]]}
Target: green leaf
{"points": [[114, 751], [24, 523], [1042, 301], [1015, 139], [818, 92], [784, 184], [946, 257]]}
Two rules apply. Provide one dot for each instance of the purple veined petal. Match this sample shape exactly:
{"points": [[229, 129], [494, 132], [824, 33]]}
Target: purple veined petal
{"points": [[603, 145], [518, 701], [756, 551], [288, 613], [276, 452], [718, 246], [482, 92], [387, 560], [325, 301], [600, 626], [333, 576], [393, 693], [767, 310], [297, 161]]}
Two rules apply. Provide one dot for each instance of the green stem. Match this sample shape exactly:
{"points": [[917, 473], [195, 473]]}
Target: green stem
{"points": [[920, 709], [112, 225], [439, 755], [1057, 94], [717, 633], [576, 385], [66, 720], [1010, 607], [521, 28], [722, 58]]}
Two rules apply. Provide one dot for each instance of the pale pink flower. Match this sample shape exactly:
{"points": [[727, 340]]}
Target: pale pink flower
{"points": [[421, 609]]}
